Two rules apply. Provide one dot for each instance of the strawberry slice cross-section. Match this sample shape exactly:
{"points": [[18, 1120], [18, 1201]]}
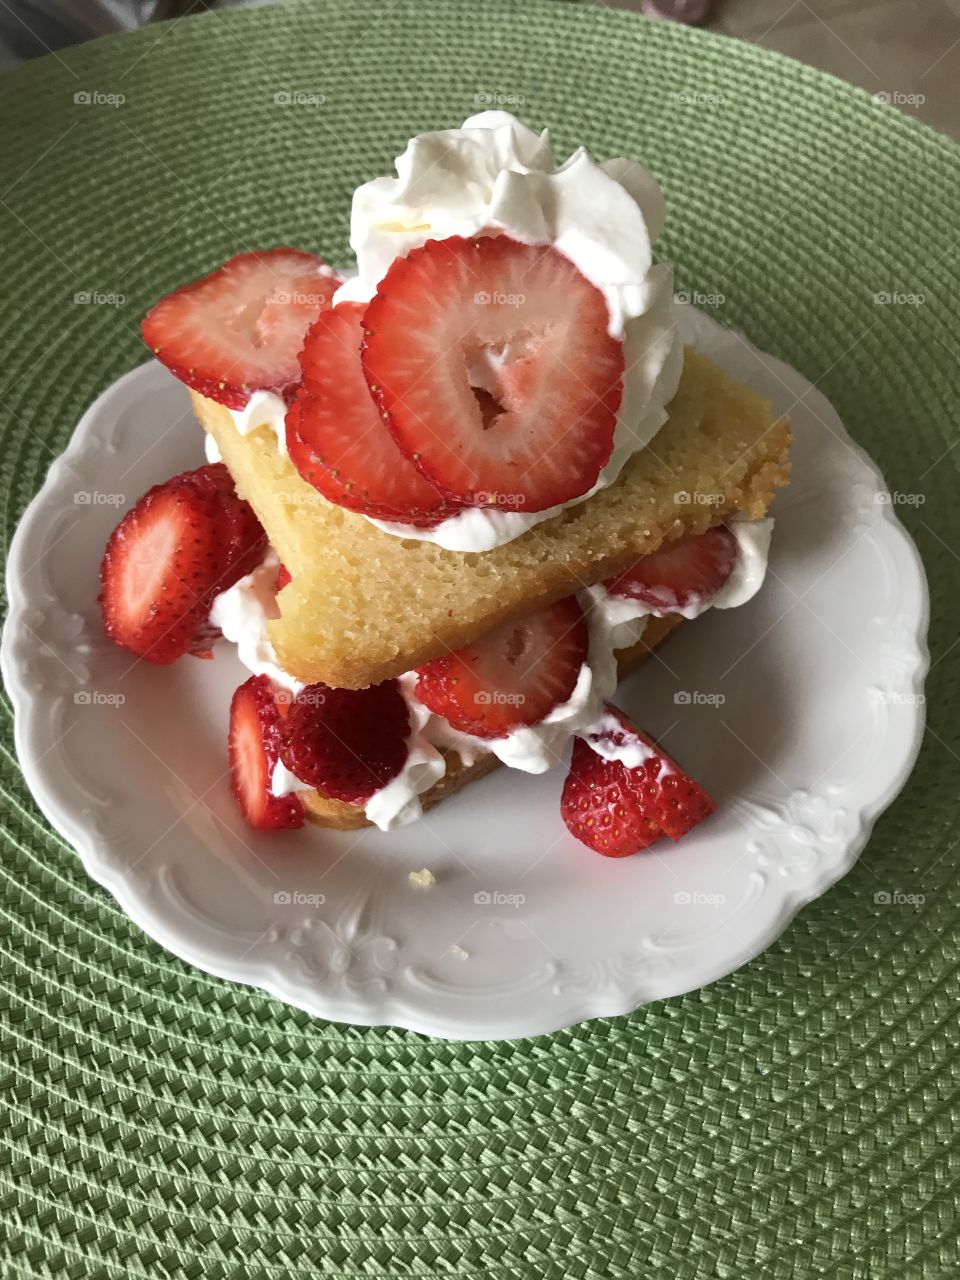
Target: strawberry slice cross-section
{"points": [[240, 328], [337, 439], [684, 576], [495, 370], [512, 676]]}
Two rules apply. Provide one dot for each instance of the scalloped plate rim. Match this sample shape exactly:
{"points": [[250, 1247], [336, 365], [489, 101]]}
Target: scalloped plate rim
{"points": [[392, 1011]]}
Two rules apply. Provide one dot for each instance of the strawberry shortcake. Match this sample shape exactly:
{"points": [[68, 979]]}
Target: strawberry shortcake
{"points": [[451, 495]]}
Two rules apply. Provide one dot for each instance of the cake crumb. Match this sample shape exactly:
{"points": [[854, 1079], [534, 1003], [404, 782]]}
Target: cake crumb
{"points": [[422, 879], [459, 952]]}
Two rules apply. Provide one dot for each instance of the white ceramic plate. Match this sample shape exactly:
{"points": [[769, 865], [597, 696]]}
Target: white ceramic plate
{"points": [[802, 712]]}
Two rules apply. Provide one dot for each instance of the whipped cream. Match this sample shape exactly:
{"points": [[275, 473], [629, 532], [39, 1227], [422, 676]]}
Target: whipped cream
{"points": [[398, 802], [746, 579], [495, 172], [538, 747], [242, 613], [263, 409], [631, 752]]}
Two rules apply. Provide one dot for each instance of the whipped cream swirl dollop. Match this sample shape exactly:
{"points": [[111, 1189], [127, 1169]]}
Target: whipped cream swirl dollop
{"points": [[494, 172]]}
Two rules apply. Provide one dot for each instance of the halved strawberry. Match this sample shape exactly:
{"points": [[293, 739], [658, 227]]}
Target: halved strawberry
{"points": [[161, 565], [283, 577], [247, 542], [254, 751], [240, 328], [493, 365], [685, 574], [620, 806], [348, 743], [510, 677], [337, 439], [184, 542]]}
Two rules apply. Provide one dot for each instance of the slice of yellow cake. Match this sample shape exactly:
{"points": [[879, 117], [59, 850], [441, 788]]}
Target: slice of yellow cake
{"points": [[364, 605]]}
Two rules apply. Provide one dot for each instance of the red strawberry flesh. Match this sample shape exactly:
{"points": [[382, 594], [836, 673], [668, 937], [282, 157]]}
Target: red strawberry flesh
{"points": [[512, 676], [254, 746], [348, 743], [493, 365], [184, 542], [240, 328], [161, 564], [337, 439], [683, 575]]}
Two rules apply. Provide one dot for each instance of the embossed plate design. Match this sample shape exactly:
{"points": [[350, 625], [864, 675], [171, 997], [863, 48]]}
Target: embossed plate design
{"points": [[802, 712]]}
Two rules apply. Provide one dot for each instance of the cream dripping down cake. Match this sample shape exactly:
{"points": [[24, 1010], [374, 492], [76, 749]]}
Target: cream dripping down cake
{"points": [[439, 519]]}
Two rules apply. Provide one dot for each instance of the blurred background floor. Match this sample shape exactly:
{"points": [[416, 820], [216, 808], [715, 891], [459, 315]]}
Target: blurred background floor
{"points": [[907, 50]]}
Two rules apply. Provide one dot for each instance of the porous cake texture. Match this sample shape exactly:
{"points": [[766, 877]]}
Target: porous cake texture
{"points": [[364, 605]]}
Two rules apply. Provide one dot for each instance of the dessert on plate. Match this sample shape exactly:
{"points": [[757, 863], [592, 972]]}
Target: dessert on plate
{"points": [[451, 496]]}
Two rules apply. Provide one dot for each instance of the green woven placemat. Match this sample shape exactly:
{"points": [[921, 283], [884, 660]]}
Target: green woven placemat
{"points": [[798, 1118]]}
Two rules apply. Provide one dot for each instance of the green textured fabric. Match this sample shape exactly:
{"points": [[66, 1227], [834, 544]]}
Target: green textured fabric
{"points": [[799, 1118]]}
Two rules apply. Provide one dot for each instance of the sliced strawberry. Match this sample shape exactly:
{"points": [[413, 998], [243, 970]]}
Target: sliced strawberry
{"points": [[240, 328], [683, 575], [254, 751], [337, 439], [348, 743], [493, 365], [620, 806], [161, 565], [283, 577], [184, 542], [510, 677]]}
